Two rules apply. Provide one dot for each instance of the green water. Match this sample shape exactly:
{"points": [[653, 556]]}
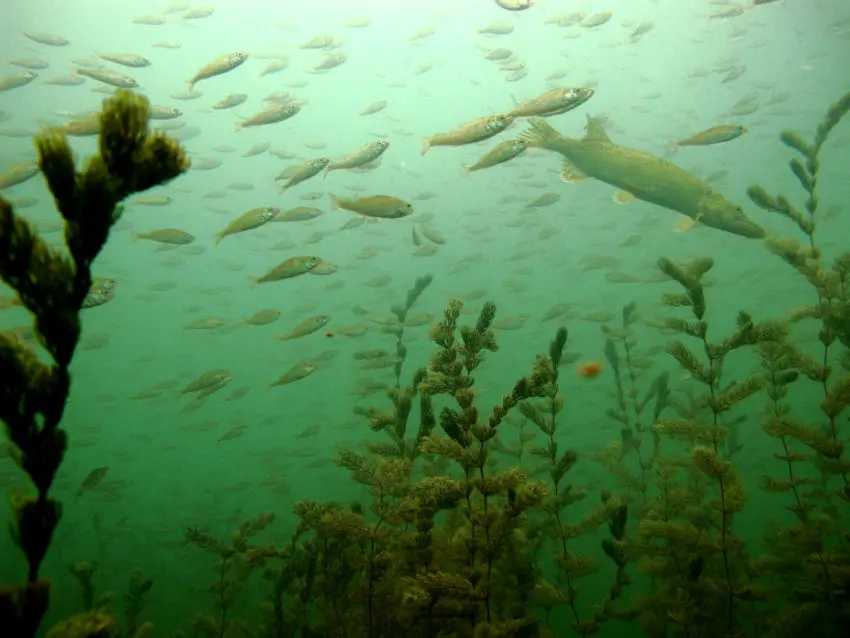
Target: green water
{"points": [[167, 462]]}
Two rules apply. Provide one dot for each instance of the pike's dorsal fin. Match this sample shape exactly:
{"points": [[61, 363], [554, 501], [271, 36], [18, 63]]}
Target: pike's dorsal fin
{"points": [[595, 131]]}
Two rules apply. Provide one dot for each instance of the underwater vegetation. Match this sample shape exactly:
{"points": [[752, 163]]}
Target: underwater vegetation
{"points": [[453, 536], [54, 289]]}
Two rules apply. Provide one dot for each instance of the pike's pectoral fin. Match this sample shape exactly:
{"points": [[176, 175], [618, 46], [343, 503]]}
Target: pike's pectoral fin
{"points": [[623, 196], [570, 173], [686, 223]]}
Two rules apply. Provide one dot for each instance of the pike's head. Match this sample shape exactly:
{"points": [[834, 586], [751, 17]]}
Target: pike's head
{"points": [[718, 212]]}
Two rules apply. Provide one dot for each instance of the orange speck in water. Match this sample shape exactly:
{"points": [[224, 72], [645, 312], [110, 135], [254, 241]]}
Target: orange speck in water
{"points": [[329, 335], [589, 369]]}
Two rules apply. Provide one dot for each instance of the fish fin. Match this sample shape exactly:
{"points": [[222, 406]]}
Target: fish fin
{"points": [[255, 281], [219, 237], [335, 203], [595, 131], [622, 196], [426, 144], [467, 172], [685, 224], [283, 337], [540, 135], [570, 174], [672, 147]]}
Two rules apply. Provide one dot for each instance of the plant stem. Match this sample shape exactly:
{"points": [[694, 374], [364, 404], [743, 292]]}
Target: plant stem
{"points": [[724, 515]]}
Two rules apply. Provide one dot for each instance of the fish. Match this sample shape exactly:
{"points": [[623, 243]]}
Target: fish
{"points": [[207, 323], [300, 370], [152, 200], [475, 131], [9, 82], [33, 64], [257, 149], [95, 298], [173, 236], [375, 107], [249, 220], [149, 20], [732, 12], [378, 206], [220, 65], [292, 267], [84, 127], [275, 66], [49, 39], [92, 480], [269, 115], [331, 62], [210, 378], [501, 153], [362, 156], [647, 177], [546, 199], [553, 102], [198, 13], [234, 99], [112, 78], [713, 135], [306, 327], [310, 430], [514, 5], [18, 174], [233, 433], [263, 317], [126, 59], [496, 28], [597, 20], [303, 172], [298, 214]]}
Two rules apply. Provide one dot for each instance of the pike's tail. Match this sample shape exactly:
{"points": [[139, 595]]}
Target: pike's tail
{"points": [[541, 135]]}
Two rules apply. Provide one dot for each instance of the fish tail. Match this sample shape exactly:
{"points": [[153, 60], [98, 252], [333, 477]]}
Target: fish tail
{"points": [[335, 203], [326, 171], [218, 238], [467, 170], [540, 135], [672, 147], [426, 144]]}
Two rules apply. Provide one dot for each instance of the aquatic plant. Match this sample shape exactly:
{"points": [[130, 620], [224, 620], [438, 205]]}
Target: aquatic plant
{"points": [[830, 283], [137, 588], [400, 311], [236, 560], [83, 572], [810, 554], [686, 541], [630, 408], [555, 525], [395, 423], [432, 554], [53, 287]]}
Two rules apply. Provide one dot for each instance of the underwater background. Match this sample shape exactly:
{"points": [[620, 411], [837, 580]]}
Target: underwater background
{"points": [[211, 414]]}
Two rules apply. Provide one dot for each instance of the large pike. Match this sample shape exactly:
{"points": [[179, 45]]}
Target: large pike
{"points": [[647, 177]]}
